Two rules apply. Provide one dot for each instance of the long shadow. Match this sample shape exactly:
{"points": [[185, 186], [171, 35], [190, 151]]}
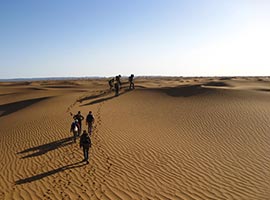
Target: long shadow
{"points": [[14, 107], [94, 96], [98, 101], [125, 86], [49, 173], [106, 98], [263, 90], [42, 149]]}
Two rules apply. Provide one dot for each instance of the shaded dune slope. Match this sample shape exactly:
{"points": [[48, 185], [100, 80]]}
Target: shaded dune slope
{"points": [[15, 106]]}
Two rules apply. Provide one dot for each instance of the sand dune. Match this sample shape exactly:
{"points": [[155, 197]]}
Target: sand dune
{"points": [[170, 138]]}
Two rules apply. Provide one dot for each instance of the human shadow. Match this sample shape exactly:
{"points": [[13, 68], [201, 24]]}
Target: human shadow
{"points": [[14, 107], [42, 149], [103, 93], [99, 101], [106, 98], [49, 173]]}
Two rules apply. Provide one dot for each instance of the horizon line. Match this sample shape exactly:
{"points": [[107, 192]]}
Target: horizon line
{"points": [[103, 77]]}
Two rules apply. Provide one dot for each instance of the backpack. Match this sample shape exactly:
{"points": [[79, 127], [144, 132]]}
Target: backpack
{"points": [[76, 128], [89, 118], [86, 140], [73, 125]]}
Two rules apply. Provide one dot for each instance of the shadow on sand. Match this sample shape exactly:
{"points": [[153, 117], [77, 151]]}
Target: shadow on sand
{"points": [[107, 98], [263, 90], [217, 84], [99, 100], [49, 173], [102, 93], [186, 91], [42, 149], [14, 107]]}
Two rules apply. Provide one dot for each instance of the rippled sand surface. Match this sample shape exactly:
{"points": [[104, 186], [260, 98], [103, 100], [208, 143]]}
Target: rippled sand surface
{"points": [[170, 138]]}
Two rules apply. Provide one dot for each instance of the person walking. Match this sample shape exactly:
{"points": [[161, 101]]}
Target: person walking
{"points": [[116, 88], [131, 84], [85, 143], [90, 121], [74, 128], [118, 80], [111, 83], [80, 118]]}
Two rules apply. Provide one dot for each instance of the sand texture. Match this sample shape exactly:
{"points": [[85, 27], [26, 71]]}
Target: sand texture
{"points": [[170, 138]]}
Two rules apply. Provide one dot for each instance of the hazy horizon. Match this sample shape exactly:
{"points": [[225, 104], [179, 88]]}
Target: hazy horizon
{"points": [[107, 77], [146, 38]]}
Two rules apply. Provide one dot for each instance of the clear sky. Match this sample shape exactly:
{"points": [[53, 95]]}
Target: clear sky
{"points": [[48, 38]]}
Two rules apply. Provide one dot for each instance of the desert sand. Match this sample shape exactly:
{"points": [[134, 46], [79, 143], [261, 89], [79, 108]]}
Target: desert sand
{"points": [[170, 138]]}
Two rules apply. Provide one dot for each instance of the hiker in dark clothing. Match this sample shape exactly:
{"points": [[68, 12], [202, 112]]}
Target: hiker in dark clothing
{"points": [[85, 143], [75, 127], [116, 88], [117, 78], [79, 117], [111, 83], [131, 84], [90, 121]]}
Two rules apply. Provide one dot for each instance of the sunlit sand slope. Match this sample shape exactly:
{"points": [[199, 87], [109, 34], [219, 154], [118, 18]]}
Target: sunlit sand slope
{"points": [[172, 139]]}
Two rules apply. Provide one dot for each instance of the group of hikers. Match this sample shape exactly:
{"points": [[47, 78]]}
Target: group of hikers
{"points": [[115, 83], [76, 128], [76, 125]]}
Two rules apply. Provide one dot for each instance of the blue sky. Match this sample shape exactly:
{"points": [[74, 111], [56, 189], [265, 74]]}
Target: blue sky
{"points": [[145, 37]]}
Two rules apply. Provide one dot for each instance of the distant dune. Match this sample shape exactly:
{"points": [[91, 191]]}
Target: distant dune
{"points": [[170, 138]]}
